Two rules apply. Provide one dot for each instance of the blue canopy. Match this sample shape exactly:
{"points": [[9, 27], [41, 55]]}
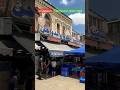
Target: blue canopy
{"points": [[109, 60], [80, 51]]}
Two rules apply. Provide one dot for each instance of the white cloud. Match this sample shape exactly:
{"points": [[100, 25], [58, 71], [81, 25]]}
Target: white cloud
{"points": [[66, 2], [78, 18]]}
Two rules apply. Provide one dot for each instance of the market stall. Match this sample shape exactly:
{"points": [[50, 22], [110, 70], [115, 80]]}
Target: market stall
{"points": [[103, 71], [74, 67]]}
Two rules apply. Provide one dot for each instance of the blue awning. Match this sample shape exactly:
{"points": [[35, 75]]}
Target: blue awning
{"points": [[109, 60], [80, 51]]}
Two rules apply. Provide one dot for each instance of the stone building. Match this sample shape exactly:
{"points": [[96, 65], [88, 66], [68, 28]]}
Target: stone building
{"points": [[57, 24], [96, 30], [75, 35], [53, 33], [95, 23], [15, 31], [114, 31]]}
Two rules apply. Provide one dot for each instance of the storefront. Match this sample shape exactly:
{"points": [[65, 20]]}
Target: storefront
{"points": [[4, 66], [56, 50], [14, 56], [49, 51], [102, 71]]}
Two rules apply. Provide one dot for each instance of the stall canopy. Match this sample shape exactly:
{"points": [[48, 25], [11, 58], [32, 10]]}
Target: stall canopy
{"points": [[9, 46], [2, 45], [109, 60], [80, 51], [4, 50], [26, 41], [56, 50]]}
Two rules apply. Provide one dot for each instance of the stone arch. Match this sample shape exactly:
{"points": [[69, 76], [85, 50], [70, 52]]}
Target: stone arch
{"points": [[58, 28], [48, 20]]}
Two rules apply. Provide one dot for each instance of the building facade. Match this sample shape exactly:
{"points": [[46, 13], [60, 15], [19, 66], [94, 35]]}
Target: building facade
{"points": [[53, 32], [56, 25], [15, 31], [114, 31], [96, 30], [96, 23]]}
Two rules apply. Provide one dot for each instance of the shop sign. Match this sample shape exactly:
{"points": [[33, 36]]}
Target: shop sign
{"points": [[73, 44], [53, 39], [56, 53], [44, 10]]}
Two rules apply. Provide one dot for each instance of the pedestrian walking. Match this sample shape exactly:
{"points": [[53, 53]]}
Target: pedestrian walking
{"points": [[44, 67], [13, 82], [48, 66], [54, 64], [40, 69], [58, 68]]}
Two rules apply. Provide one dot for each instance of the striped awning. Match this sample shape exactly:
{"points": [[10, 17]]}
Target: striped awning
{"points": [[56, 50], [56, 47], [27, 43]]}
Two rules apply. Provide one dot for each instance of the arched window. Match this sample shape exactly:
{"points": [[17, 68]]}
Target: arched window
{"points": [[58, 28], [47, 20]]}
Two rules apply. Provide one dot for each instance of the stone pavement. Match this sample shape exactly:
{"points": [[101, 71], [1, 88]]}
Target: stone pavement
{"points": [[59, 83]]}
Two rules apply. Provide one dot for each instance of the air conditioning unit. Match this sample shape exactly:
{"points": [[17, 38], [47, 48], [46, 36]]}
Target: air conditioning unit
{"points": [[5, 26]]}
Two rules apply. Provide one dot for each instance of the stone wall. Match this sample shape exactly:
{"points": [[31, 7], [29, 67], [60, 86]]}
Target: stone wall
{"points": [[56, 18]]}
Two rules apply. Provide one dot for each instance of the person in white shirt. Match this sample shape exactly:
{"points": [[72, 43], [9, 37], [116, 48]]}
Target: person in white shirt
{"points": [[54, 64]]}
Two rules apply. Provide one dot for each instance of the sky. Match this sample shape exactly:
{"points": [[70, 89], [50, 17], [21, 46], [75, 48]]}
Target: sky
{"points": [[110, 9], [78, 18]]}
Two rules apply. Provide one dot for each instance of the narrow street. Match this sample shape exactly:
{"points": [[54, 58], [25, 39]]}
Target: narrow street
{"points": [[59, 83]]}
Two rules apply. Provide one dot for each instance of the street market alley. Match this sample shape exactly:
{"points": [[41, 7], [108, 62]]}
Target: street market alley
{"points": [[59, 83]]}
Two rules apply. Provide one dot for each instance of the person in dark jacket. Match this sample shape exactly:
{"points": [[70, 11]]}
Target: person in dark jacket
{"points": [[13, 82]]}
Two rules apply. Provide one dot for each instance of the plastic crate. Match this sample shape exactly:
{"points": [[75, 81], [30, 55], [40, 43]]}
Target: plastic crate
{"points": [[64, 69], [82, 74], [82, 79], [65, 72]]}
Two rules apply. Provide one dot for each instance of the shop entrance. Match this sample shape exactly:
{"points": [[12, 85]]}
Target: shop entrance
{"points": [[20, 67]]}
